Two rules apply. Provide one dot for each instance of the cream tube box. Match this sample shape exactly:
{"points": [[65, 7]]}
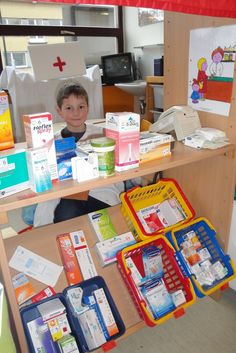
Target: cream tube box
{"points": [[124, 128]]}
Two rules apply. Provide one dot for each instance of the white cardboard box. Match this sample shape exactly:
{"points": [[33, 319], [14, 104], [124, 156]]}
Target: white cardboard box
{"points": [[124, 128]]}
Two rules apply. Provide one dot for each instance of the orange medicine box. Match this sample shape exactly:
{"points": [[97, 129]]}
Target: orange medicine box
{"points": [[73, 273], [6, 134]]}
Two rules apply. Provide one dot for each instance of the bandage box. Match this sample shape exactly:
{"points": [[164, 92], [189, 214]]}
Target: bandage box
{"points": [[6, 134], [124, 128], [13, 172], [39, 133]]}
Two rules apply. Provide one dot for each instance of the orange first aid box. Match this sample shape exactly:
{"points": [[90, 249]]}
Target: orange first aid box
{"points": [[6, 134]]}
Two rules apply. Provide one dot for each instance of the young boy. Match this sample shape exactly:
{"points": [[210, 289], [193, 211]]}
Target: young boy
{"points": [[72, 107]]}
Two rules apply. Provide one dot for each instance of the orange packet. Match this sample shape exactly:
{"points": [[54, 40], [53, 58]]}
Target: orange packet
{"points": [[23, 288], [6, 134], [69, 260]]}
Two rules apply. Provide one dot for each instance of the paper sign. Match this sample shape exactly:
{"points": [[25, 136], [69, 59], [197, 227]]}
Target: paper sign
{"points": [[59, 60]]}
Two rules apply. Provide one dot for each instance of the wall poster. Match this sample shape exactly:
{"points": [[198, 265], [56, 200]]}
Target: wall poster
{"points": [[212, 54]]}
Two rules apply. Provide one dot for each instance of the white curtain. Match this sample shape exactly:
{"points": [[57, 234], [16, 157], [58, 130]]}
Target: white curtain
{"points": [[30, 97]]}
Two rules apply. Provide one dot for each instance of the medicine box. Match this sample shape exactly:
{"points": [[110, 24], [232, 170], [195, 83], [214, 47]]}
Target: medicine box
{"points": [[108, 249], [38, 168], [13, 172], [124, 128], [39, 133], [151, 140], [6, 134], [161, 151], [32, 320]]}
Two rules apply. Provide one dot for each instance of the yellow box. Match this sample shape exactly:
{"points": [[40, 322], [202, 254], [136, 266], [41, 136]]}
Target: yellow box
{"points": [[161, 151], [6, 134]]}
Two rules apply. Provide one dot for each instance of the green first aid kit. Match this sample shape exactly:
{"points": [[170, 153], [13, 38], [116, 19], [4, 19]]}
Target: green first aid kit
{"points": [[13, 172]]}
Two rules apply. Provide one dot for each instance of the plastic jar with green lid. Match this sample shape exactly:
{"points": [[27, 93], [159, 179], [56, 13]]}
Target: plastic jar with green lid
{"points": [[105, 149]]}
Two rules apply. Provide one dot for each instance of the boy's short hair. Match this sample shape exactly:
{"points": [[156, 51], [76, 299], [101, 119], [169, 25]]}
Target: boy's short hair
{"points": [[68, 88]]}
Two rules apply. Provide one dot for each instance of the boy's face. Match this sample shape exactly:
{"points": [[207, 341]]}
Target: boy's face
{"points": [[74, 112]]}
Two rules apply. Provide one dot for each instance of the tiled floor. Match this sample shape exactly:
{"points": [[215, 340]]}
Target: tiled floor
{"points": [[207, 327]]}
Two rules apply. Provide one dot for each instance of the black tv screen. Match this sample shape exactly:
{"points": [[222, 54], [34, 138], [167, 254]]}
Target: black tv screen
{"points": [[118, 68]]}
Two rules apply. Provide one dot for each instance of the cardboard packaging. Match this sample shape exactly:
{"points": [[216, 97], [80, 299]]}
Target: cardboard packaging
{"points": [[38, 168], [39, 133], [70, 263], [6, 134], [13, 172], [124, 128]]}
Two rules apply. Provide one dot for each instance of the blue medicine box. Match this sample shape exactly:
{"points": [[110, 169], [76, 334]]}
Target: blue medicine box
{"points": [[65, 150]]}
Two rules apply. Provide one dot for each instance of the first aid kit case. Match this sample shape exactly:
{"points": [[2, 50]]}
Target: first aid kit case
{"points": [[87, 300]]}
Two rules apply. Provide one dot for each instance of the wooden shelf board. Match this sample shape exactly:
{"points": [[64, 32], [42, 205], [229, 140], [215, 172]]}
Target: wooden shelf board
{"points": [[155, 79], [181, 155], [42, 241]]}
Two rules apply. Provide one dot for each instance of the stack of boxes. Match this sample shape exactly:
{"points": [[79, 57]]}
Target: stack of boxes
{"points": [[13, 167]]}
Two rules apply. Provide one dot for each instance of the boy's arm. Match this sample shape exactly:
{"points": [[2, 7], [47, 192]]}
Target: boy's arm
{"points": [[79, 196]]}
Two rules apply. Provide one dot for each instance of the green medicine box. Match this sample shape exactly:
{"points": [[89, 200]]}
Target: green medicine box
{"points": [[13, 172]]}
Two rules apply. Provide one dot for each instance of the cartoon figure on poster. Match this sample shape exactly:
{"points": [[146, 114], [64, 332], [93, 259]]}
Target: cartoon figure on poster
{"points": [[216, 68], [195, 94], [212, 54], [202, 77]]}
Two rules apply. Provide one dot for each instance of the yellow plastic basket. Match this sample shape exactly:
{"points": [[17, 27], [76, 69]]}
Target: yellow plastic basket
{"points": [[141, 197]]}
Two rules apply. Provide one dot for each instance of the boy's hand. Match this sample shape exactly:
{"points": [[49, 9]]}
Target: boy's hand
{"points": [[79, 196]]}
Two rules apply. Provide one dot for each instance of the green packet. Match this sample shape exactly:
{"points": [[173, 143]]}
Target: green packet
{"points": [[102, 224]]}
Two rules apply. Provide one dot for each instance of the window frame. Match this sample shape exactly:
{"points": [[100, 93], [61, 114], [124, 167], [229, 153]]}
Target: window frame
{"points": [[62, 31], [19, 52]]}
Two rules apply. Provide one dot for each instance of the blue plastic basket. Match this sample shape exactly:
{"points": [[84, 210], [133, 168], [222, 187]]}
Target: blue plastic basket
{"points": [[206, 234]]}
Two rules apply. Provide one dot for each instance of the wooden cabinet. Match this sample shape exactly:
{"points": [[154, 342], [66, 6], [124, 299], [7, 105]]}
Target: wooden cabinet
{"points": [[116, 100], [151, 80], [43, 240], [206, 176]]}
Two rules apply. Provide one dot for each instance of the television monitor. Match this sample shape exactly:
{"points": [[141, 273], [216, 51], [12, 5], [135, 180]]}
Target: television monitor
{"points": [[118, 68]]}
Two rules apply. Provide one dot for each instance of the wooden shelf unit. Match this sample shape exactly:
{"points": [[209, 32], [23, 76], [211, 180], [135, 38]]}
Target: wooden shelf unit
{"points": [[43, 240], [206, 176]]}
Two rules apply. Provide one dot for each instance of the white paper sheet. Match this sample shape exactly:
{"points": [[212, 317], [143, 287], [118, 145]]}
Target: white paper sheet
{"points": [[35, 266]]}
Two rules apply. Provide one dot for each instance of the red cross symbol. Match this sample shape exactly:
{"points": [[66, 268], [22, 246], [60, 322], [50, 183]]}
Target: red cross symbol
{"points": [[59, 63]]}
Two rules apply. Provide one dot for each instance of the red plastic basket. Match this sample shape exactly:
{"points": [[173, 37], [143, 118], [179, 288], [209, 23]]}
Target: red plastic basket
{"points": [[173, 277]]}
